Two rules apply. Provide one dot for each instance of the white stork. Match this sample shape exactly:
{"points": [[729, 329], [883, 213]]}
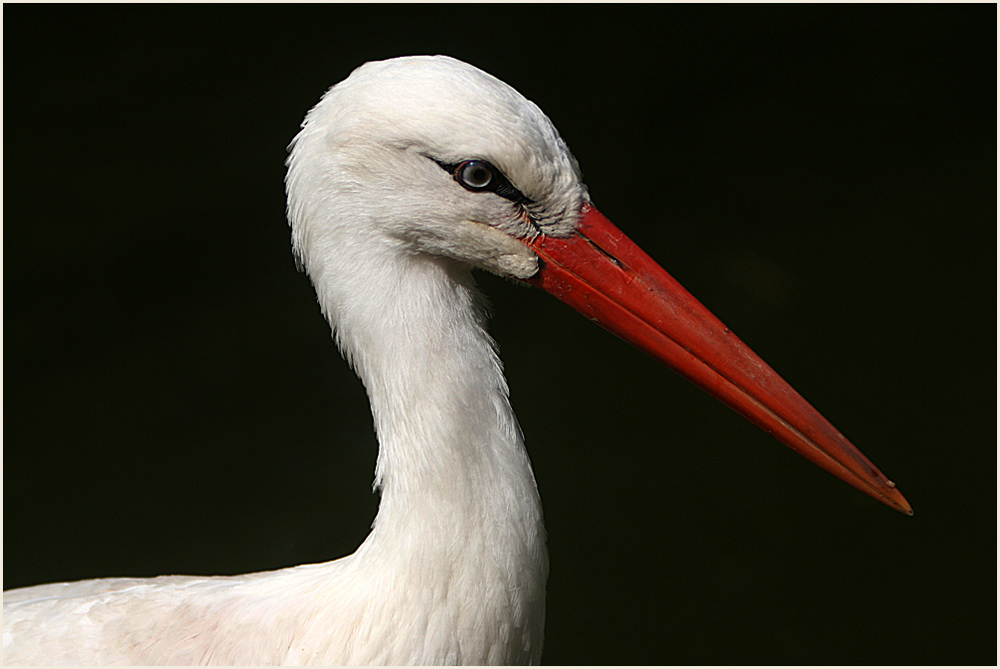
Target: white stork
{"points": [[404, 177]]}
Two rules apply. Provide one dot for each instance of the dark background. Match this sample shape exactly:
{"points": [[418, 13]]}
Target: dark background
{"points": [[823, 178]]}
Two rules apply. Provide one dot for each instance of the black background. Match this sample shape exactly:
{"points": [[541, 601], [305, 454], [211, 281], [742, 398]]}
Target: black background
{"points": [[823, 178]]}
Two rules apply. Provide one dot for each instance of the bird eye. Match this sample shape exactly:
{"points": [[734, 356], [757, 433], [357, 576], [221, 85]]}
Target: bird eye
{"points": [[480, 176], [475, 174]]}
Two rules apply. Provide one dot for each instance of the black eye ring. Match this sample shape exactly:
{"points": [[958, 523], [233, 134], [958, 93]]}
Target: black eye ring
{"points": [[475, 175]]}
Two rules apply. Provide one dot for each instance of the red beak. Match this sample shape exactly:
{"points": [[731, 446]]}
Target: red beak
{"points": [[602, 274]]}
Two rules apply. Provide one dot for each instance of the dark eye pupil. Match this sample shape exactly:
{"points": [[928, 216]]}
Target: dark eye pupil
{"points": [[475, 174]]}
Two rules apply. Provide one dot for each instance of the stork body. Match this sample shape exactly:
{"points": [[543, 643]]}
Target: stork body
{"points": [[404, 177]]}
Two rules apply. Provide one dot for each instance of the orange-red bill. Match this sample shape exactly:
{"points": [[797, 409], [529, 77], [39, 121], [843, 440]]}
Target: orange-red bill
{"points": [[602, 274]]}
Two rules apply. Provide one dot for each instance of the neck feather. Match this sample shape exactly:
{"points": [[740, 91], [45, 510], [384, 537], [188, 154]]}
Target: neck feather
{"points": [[459, 501]]}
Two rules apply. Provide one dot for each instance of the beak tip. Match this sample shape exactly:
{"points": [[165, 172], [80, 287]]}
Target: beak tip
{"points": [[897, 501]]}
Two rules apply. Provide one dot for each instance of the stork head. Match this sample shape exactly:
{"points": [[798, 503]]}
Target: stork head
{"points": [[430, 158], [430, 155]]}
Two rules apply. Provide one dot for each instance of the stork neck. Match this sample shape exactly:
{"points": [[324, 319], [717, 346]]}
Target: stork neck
{"points": [[451, 458], [458, 539]]}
